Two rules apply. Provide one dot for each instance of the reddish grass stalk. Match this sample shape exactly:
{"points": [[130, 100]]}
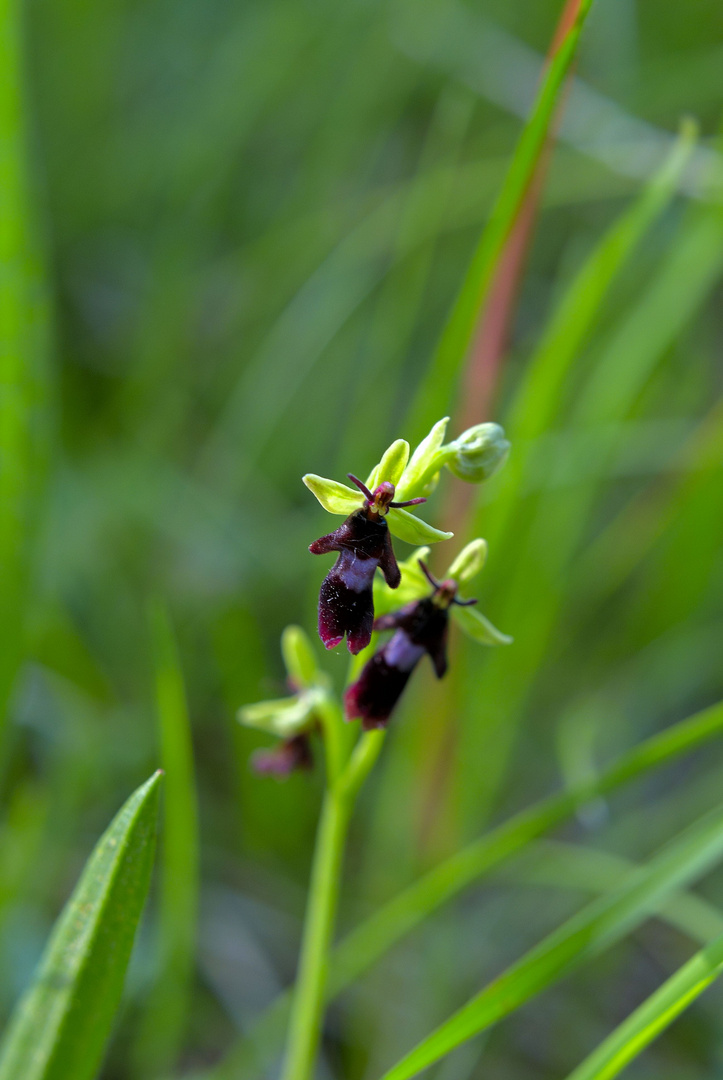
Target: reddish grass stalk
{"points": [[479, 386]]}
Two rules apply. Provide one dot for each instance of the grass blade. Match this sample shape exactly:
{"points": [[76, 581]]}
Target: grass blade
{"points": [[59, 1029], [163, 1024], [22, 331], [652, 1017], [361, 948], [599, 925], [437, 388], [389, 923]]}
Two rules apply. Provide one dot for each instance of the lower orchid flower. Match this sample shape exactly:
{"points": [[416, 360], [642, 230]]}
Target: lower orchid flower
{"points": [[421, 626], [293, 719]]}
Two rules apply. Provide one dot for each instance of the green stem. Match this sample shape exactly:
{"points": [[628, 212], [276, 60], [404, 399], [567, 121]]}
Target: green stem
{"points": [[308, 1002], [307, 1007]]}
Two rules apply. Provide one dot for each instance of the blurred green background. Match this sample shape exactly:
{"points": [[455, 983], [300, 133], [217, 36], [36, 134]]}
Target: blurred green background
{"points": [[254, 219]]}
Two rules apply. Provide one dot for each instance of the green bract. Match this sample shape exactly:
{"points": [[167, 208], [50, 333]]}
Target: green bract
{"points": [[291, 715]]}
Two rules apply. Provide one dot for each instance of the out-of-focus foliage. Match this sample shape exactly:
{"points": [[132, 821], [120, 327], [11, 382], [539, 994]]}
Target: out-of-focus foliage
{"points": [[256, 217]]}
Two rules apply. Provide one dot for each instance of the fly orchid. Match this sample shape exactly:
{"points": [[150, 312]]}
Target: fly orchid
{"points": [[420, 626], [293, 719], [363, 541], [377, 509]]}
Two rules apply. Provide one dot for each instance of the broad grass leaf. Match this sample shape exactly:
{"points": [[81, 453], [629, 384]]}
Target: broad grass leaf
{"points": [[61, 1025], [161, 1033]]}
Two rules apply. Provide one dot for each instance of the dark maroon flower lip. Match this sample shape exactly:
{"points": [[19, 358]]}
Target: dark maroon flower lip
{"points": [[346, 599]]}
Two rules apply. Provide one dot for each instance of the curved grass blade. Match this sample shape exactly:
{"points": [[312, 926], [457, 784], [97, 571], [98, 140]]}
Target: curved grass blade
{"points": [[165, 1016], [361, 948], [60, 1028], [364, 945], [559, 865], [599, 925], [437, 387], [652, 1017], [23, 329]]}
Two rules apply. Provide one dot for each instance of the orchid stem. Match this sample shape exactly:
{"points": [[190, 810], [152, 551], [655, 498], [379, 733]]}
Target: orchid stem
{"points": [[307, 1009]]}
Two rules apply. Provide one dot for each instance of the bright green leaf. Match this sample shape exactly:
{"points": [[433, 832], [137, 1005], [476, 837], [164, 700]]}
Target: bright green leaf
{"points": [[413, 530], [480, 629], [335, 497], [60, 1028]]}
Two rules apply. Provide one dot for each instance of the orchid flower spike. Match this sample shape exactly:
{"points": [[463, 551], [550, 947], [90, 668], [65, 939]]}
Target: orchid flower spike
{"points": [[420, 627], [293, 719]]}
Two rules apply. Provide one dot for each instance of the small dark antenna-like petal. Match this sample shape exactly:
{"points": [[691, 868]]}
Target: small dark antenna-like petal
{"points": [[362, 487], [409, 502], [464, 603], [425, 570]]}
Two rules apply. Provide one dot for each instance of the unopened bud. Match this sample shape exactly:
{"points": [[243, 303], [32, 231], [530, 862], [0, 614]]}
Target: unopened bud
{"points": [[478, 453]]}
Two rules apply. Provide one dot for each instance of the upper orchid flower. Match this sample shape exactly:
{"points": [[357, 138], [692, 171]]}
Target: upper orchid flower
{"points": [[346, 604], [420, 626]]}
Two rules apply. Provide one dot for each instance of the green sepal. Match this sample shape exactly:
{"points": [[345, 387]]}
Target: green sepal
{"points": [[335, 497], [299, 658], [477, 627], [413, 530], [284, 716], [423, 469], [413, 585], [469, 562], [392, 465]]}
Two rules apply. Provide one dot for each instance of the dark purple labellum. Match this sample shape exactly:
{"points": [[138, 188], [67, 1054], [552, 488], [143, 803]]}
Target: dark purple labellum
{"points": [[289, 755], [420, 627], [346, 604]]}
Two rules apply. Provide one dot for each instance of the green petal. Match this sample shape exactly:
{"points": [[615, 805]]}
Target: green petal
{"points": [[391, 466], [420, 471], [299, 657], [476, 626], [284, 716], [469, 562], [334, 497], [413, 530]]}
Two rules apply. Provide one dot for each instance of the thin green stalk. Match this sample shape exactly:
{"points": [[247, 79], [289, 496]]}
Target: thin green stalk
{"points": [[310, 993], [308, 1002]]}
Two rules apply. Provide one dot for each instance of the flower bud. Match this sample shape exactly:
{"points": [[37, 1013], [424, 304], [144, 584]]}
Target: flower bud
{"points": [[299, 657], [469, 562], [478, 453]]}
